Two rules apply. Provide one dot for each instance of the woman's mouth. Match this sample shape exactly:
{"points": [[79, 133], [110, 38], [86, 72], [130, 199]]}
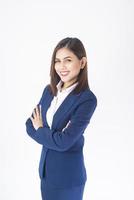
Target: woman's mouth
{"points": [[65, 73]]}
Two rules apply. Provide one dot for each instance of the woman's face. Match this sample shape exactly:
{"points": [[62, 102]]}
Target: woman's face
{"points": [[67, 65]]}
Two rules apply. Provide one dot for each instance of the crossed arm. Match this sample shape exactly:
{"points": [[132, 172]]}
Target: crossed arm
{"points": [[63, 140]]}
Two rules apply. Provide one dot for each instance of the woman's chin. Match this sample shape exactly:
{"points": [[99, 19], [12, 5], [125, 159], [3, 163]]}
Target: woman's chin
{"points": [[64, 79]]}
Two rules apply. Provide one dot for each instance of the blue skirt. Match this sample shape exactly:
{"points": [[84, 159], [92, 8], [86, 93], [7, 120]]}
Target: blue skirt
{"points": [[50, 193]]}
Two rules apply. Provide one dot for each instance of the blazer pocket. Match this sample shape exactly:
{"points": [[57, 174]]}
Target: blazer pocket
{"points": [[66, 125]]}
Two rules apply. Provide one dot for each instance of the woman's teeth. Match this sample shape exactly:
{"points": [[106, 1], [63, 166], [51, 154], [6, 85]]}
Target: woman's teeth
{"points": [[64, 73]]}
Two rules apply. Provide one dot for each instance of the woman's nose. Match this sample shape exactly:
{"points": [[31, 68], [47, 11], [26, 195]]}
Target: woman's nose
{"points": [[63, 65]]}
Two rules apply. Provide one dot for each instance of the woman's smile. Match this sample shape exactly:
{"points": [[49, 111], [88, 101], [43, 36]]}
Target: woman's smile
{"points": [[64, 73]]}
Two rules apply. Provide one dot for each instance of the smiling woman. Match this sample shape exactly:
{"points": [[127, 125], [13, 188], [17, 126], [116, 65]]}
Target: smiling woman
{"points": [[66, 107], [67, 66]]}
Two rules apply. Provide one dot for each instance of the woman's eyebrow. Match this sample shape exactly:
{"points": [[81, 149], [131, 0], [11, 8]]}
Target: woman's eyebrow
{"points": [[64, 58]]}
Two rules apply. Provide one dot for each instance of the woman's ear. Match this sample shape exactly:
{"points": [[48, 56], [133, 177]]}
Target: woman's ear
{"points": [[83, 62]]}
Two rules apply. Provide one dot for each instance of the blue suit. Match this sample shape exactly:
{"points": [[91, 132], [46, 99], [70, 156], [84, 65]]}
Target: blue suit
{"points": [[62, 161]]}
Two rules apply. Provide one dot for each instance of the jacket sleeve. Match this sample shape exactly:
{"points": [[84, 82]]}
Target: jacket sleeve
{"points": [[63, 140]]}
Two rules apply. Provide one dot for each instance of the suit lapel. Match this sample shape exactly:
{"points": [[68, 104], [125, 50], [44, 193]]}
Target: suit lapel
{"points": [[64, 108]]}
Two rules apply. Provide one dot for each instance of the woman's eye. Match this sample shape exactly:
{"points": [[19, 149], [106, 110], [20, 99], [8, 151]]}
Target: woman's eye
{"points": [[59, 61]]}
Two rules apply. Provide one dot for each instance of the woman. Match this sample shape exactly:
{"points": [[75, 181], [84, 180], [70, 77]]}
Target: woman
{"points": [[59, 120]]}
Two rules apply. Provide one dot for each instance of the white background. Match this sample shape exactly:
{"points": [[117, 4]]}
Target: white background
{"points": [[29, 31]]}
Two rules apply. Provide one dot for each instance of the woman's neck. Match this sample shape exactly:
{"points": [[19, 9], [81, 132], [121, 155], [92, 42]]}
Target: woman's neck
{"points": [[64, 85]]}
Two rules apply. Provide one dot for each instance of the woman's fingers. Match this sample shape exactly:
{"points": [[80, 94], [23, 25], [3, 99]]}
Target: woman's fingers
{"points": [[40, 112], [37, 117], [31, 118], [37, 111], [34, 113]]}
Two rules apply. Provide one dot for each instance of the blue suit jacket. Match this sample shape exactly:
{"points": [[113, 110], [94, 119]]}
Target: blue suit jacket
{"points": [[62, 161]]}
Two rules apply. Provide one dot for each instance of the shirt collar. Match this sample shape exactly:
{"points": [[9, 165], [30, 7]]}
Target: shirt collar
{"points": [[68, 89]]}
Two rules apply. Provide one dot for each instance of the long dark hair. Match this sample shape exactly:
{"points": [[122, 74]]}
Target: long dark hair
{"points": [[75, 46]]}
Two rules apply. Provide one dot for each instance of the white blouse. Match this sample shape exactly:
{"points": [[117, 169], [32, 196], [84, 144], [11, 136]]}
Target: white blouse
{"points": [[57, 100]]}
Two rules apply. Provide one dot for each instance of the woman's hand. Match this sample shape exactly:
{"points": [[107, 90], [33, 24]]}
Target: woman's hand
{"points": [[37, 118]]}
